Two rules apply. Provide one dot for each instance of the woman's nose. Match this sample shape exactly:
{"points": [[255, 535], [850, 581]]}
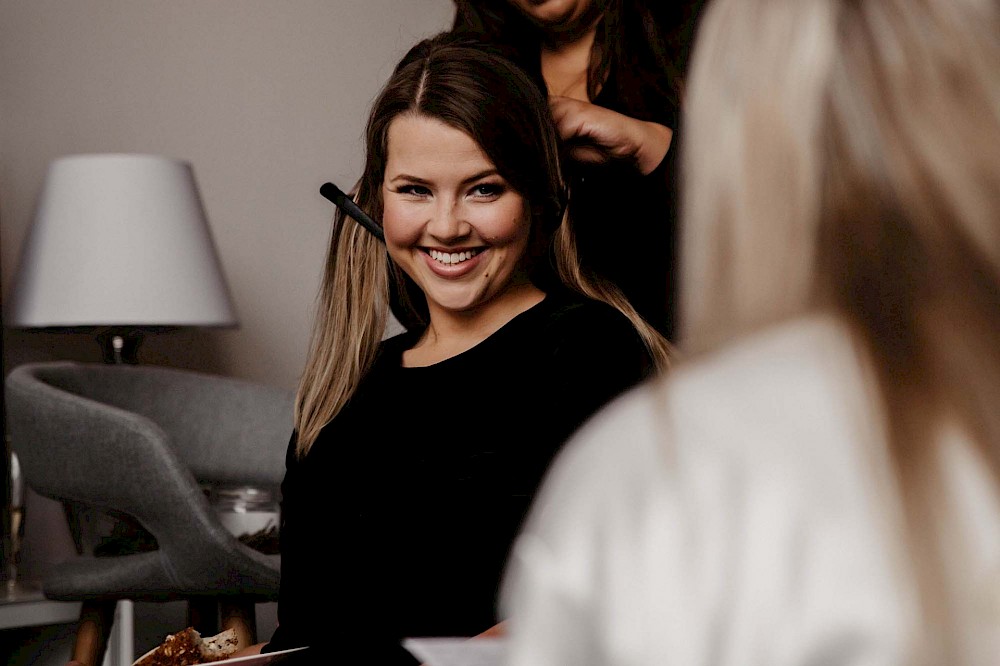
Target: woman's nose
{"points": [[448, 221]]}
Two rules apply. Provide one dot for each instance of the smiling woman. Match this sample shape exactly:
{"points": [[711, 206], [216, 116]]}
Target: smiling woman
{"points": [[456, 227], [423, 451]]}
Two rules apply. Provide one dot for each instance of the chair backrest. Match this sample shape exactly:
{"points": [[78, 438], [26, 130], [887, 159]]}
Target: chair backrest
{"points": [[223, 429], [140, 440]]}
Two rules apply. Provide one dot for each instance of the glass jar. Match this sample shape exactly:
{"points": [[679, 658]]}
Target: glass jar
{"points": [[250, 513]]}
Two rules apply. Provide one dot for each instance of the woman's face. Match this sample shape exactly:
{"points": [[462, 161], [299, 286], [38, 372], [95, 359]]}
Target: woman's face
{"points": [[451, 221], [557, 15]]}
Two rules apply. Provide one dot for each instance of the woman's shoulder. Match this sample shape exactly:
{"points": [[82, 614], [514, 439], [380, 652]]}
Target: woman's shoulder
{"points": [[576, 316], [578, 324], [594, 345], [773, 383], [747, 450], [785, 404], [794, 395], [767, 415]]}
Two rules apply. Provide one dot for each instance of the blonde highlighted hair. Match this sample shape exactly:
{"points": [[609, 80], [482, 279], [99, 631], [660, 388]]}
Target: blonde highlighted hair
{"points": [[844, 155]]}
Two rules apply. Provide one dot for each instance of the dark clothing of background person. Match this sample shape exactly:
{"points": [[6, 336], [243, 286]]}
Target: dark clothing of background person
{"points": [[625, 221], [398, 521]]}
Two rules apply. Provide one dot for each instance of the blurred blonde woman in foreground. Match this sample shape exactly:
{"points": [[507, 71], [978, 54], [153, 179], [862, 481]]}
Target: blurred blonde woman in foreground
{"points": [[818, 483]]}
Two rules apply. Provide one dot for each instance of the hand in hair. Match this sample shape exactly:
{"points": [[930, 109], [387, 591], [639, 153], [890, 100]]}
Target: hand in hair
{"points": [[595, 134]]}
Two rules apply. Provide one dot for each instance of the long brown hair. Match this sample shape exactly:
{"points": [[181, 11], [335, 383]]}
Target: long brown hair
{"points": [[471, 87], [843, 156]]}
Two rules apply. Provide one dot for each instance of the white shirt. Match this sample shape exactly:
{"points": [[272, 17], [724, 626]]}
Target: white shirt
{"points": [[742, 512]]}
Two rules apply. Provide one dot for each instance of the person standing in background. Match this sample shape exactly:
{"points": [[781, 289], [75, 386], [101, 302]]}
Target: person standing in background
{"points": [[613, 70], [819, 481]]}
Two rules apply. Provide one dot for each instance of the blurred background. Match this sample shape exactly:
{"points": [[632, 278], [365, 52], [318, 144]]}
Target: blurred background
{"points": [[267, 100]]}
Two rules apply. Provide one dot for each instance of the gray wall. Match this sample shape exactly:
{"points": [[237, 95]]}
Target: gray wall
{"points": [[266, 98]]}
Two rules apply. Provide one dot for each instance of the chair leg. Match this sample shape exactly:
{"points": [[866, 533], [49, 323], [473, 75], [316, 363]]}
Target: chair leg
{"points": [[93, 631], [242, 617]]}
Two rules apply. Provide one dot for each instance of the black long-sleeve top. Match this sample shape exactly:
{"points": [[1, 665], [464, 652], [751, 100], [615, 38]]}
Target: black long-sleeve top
{"points": [[398, 521], [626, 222]]}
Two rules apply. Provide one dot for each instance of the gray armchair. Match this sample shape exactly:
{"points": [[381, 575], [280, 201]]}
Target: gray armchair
{"points": [[140, 442]]}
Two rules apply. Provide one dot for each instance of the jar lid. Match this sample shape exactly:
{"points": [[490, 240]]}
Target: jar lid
{"points": [[243, 498]]}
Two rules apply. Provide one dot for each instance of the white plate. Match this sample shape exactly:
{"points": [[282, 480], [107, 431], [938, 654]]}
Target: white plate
{"points": [[250, 659], [462, 651], [258, 659]]}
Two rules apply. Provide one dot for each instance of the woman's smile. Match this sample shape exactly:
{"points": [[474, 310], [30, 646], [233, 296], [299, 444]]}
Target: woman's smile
{"points": [[452, 257], [453, 264]]}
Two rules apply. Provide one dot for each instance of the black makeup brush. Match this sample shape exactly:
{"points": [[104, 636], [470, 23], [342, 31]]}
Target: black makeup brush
{"points": [[344, 202]]}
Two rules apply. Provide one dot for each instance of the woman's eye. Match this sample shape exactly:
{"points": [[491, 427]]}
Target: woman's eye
{"points": [[414, 190], [488, 190]]}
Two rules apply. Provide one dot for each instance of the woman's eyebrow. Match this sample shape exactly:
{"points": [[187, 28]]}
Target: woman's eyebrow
{"points": [[408, 178], [485, 173], [482, 174]]}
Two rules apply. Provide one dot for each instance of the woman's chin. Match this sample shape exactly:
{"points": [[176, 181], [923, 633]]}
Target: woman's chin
{"points": [[458, 298], [455, 305]]}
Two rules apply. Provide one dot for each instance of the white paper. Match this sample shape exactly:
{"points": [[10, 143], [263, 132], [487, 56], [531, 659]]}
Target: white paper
{"points": [[458, 651]]}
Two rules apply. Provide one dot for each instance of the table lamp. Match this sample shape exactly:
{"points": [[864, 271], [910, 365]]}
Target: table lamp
{"points": [[120, 246]]}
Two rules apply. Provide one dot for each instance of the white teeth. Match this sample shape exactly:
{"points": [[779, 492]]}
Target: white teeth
{"points": [[453, 257]]}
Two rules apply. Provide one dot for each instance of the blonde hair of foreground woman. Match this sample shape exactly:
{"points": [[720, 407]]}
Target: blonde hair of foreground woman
{"points": [[841, 189], [844, 155]]}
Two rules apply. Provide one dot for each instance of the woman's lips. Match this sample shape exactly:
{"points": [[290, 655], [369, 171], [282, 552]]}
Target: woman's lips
{"points": [[453, 265]]}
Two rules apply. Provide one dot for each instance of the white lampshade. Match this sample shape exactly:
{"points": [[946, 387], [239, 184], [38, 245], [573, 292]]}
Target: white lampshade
{"points": [[120, 240]]}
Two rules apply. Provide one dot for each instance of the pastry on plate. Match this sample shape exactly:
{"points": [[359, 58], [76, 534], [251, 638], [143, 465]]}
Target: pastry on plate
{"points": [[188, 647]]}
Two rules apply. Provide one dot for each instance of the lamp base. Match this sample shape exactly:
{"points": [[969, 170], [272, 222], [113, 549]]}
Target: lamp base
{"points": [[120, 345]]}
